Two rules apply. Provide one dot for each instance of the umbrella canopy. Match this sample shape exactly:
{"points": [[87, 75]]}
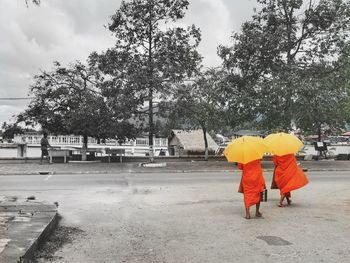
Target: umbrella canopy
{"points": [[283, 143], [245, 149]]}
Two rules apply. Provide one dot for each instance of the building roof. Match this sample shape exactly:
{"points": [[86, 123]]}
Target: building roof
{"points": [[193, 140], [346, 133], [247, 132]]}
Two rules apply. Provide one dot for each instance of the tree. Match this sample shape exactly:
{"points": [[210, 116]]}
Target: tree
{"points": [[346, 73], [70, 100], [212, 101], [10, 130], [151, 52], [284, 40], [324, 98], [201, 103], [36, 2]]}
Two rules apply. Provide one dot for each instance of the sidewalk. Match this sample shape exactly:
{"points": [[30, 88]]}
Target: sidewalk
{"points": [[24, 224], [181, 166]]}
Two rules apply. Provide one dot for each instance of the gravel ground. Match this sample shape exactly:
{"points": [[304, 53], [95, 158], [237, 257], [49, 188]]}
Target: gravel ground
{"points": [[63, 235]]}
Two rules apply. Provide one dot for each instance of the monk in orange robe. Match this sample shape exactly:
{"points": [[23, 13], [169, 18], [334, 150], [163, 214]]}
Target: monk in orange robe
{"points": [[288, 176], [252, 184]]}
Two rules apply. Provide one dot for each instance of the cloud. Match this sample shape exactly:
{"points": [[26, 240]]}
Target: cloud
{"points": [[213, 18], [7, 112], [32, 38], [240, 11]]}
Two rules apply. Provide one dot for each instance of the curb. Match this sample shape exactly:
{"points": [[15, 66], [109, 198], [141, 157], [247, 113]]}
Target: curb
{"points": [[130, 171], [48, 230], [153, 165]]}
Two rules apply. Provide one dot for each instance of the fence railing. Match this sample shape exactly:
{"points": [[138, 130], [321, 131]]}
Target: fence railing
{"points": [[78, 140]]}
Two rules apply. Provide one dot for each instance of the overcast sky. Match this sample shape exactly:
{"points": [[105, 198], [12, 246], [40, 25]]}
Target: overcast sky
{"points": [[68, 30]]}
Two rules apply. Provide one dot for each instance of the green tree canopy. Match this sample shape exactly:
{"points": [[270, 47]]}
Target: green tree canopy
{"points": [[71, 100], [280, 52], [36, 2], [201, 103], [151, 52], [10, 130], [324, 96]]}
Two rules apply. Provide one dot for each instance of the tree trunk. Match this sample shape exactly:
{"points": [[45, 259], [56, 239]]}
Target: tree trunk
{"points": [[84, 148], [150, 83], [319, 135], [205, 143], [151, 127]]}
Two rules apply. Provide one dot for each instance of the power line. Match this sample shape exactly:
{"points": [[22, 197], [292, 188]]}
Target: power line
{"points": [[27, 98]]}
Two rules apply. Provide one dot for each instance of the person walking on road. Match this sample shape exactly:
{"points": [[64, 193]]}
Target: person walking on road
{"points": [[288, 176], [252, 184], [44, 147]]}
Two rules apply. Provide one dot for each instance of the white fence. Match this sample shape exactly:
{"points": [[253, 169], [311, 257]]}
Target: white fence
{"points": [[78, 140], [157, 142]]}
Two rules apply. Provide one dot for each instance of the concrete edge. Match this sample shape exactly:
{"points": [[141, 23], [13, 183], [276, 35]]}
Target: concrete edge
{"points": [[48, 230], [153, 165], [162, 171]]}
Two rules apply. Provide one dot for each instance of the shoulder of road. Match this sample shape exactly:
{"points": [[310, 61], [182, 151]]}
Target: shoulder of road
{"points": [[24, 225], [158, 167]]}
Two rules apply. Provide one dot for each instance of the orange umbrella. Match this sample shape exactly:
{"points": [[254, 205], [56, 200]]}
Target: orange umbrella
{"points": [[245, 149], [283, 143]]}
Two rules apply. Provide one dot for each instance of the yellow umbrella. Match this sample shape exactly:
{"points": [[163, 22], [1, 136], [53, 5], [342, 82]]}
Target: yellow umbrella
{"points": [[245, 149], [283, 143]]}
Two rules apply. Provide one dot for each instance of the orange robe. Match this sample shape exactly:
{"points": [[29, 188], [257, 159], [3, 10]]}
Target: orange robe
{"points": [[288, 176], [252, 182]]}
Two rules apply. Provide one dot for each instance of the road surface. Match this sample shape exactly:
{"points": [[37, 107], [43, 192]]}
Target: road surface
{"points": [[192, 217]]}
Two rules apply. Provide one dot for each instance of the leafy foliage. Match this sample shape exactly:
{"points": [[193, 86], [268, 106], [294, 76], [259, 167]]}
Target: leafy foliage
{"points": [[150, 53], [36, 2], [69, 100], [325, 93], [10, 130], [201, 103], [280, 54]]}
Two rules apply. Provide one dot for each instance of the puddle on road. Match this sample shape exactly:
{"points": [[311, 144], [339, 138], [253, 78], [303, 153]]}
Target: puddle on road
{"points": [[274, 240]]}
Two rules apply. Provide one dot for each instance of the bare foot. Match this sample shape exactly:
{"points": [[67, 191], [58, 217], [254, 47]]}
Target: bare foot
{"points": [[280, 205], [289, 201], [258, 214], [247, 217]]}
